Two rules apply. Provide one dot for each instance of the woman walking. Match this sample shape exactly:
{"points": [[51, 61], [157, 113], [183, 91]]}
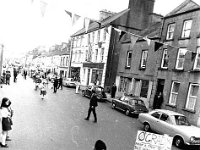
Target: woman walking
{"points": [[42, 90], [6, 120]]}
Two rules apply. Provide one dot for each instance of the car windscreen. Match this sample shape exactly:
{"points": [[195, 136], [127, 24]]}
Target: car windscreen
{"points": [[181, 120]]}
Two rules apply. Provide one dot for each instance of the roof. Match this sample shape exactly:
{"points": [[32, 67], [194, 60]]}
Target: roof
{"points": [[152, 31], [169, 112], [105, 22], [187, 5]]}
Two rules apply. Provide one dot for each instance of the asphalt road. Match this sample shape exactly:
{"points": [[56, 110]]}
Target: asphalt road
{"points": [[57, 122]]}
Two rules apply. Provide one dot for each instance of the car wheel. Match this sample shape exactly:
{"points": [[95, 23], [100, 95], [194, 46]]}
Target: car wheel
{"points": [[178, 142], [113, 106], [83, 93], [146, 127], [127, 112]]}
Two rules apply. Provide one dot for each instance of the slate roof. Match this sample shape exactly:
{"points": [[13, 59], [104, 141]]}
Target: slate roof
{"points": [[94, 26], [186, 6]]}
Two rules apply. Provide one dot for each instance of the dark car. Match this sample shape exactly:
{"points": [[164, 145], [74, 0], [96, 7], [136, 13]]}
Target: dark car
{"points": [[129, 104], [101, 96]]}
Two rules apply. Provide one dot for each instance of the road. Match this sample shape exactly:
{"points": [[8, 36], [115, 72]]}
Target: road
{"points": [[57, 122]]}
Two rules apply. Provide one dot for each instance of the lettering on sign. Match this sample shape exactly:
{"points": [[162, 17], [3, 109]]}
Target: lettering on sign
{"points": [[152, 141]]}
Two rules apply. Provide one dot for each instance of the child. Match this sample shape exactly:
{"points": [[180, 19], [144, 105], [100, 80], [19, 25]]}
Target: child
{"points": [[42, 89]]}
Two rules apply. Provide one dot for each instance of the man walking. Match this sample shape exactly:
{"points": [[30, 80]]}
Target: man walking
{"points": [[92, 107], [60, 83], [55, 85], [113, 90]]}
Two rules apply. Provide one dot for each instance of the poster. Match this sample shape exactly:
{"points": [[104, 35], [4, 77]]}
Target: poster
{"points": [[152, 141]]}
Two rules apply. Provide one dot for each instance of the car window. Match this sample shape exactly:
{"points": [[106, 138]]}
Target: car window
{"points": [[156, 115], [181, 120], [164, 117]]}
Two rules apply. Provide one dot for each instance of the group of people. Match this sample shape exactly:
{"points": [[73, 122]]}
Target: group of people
{"points": [[57, 83]]}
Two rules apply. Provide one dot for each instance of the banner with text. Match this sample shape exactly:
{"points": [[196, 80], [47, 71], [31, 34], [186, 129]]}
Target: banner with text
{"points": [[152, 141]]}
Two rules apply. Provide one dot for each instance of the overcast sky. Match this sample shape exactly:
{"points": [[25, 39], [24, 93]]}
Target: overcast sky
{"points": [[26, 24]]}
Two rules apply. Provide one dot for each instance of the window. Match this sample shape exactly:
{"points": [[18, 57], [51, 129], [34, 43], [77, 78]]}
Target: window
{"points": [[128, 59], [197, 59], [170, 31], [186, 28], [181, 58], [86, 55], [104, 33], [144, 88], [156, 115], [174, 93], [93, 36], [165, 59], [144, 59], [192, 96], [164, 117], [102, 54], [88, 38], [96, 55], [98, 36]]}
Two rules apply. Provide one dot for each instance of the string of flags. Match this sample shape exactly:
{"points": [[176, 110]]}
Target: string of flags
{"points": [[157, 45], [74, 17]]}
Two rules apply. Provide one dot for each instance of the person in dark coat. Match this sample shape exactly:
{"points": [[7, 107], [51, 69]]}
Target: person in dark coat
{"points": [[60, 83], [113, 90], [25, 74], [15, 75], [92, 106], [99, 145], [158, 100], [8, 78], [55, 85]]}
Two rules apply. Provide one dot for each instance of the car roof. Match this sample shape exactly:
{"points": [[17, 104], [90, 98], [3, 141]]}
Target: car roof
{"points": [[169, 112]]}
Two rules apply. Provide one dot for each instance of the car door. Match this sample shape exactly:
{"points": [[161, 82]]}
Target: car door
{"points": [[118, 102], [165, 124], [154, 121]]}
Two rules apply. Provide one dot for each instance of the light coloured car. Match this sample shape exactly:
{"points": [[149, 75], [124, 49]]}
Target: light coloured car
{"points": [[69, 82], [173, 124]]}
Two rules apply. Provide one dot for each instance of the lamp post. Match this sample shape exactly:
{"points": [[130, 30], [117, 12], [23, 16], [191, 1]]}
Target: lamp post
{"points": [[1, 58]]}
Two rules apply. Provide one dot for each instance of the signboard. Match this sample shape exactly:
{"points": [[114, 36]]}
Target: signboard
{"points": [[152, 141]]}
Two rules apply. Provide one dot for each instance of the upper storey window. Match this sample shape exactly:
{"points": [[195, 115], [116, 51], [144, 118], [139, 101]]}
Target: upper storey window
{"points": [[170, 31], [186, 29]]}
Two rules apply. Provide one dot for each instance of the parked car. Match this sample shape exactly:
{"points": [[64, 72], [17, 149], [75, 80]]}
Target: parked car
{"points": [[129, 104], [101, 96], [69, 82], [172, 123]]}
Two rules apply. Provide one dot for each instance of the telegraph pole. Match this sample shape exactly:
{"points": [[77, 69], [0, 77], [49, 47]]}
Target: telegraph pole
{"points": [[1, 58]]}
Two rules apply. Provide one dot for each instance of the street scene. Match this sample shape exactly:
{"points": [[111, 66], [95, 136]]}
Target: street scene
{"points": [[57, 121], [100, 75]]}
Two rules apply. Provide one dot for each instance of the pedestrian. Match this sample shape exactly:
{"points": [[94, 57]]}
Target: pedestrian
{"points": [[60, 82], [158, 100], [8, 77], [100, 145], [42, 89], [25, 74], [4, 77], [6, 115], [15, 74], [77, 86], [113, 90], [92, 106], [55, 85]]}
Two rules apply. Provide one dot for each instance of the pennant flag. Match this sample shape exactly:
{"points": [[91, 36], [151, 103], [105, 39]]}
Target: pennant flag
{"points": [[75, 18], [118, 30], [43, 6], [121, 35], [157, 45], [106, 29], [69, 13], [193, 56], [133, 40], [86, 24], [147, 39]]}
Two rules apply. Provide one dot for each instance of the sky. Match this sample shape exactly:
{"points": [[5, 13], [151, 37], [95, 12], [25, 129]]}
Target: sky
{"points": [[27, 24]]}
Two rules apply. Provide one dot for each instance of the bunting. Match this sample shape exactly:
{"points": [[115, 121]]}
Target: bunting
{"points": [[75, 18], [157, 45], [133, 40], [69, 13], [43, 6], [121, 35], [86, 24], [148, 40], [193, 56]]}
